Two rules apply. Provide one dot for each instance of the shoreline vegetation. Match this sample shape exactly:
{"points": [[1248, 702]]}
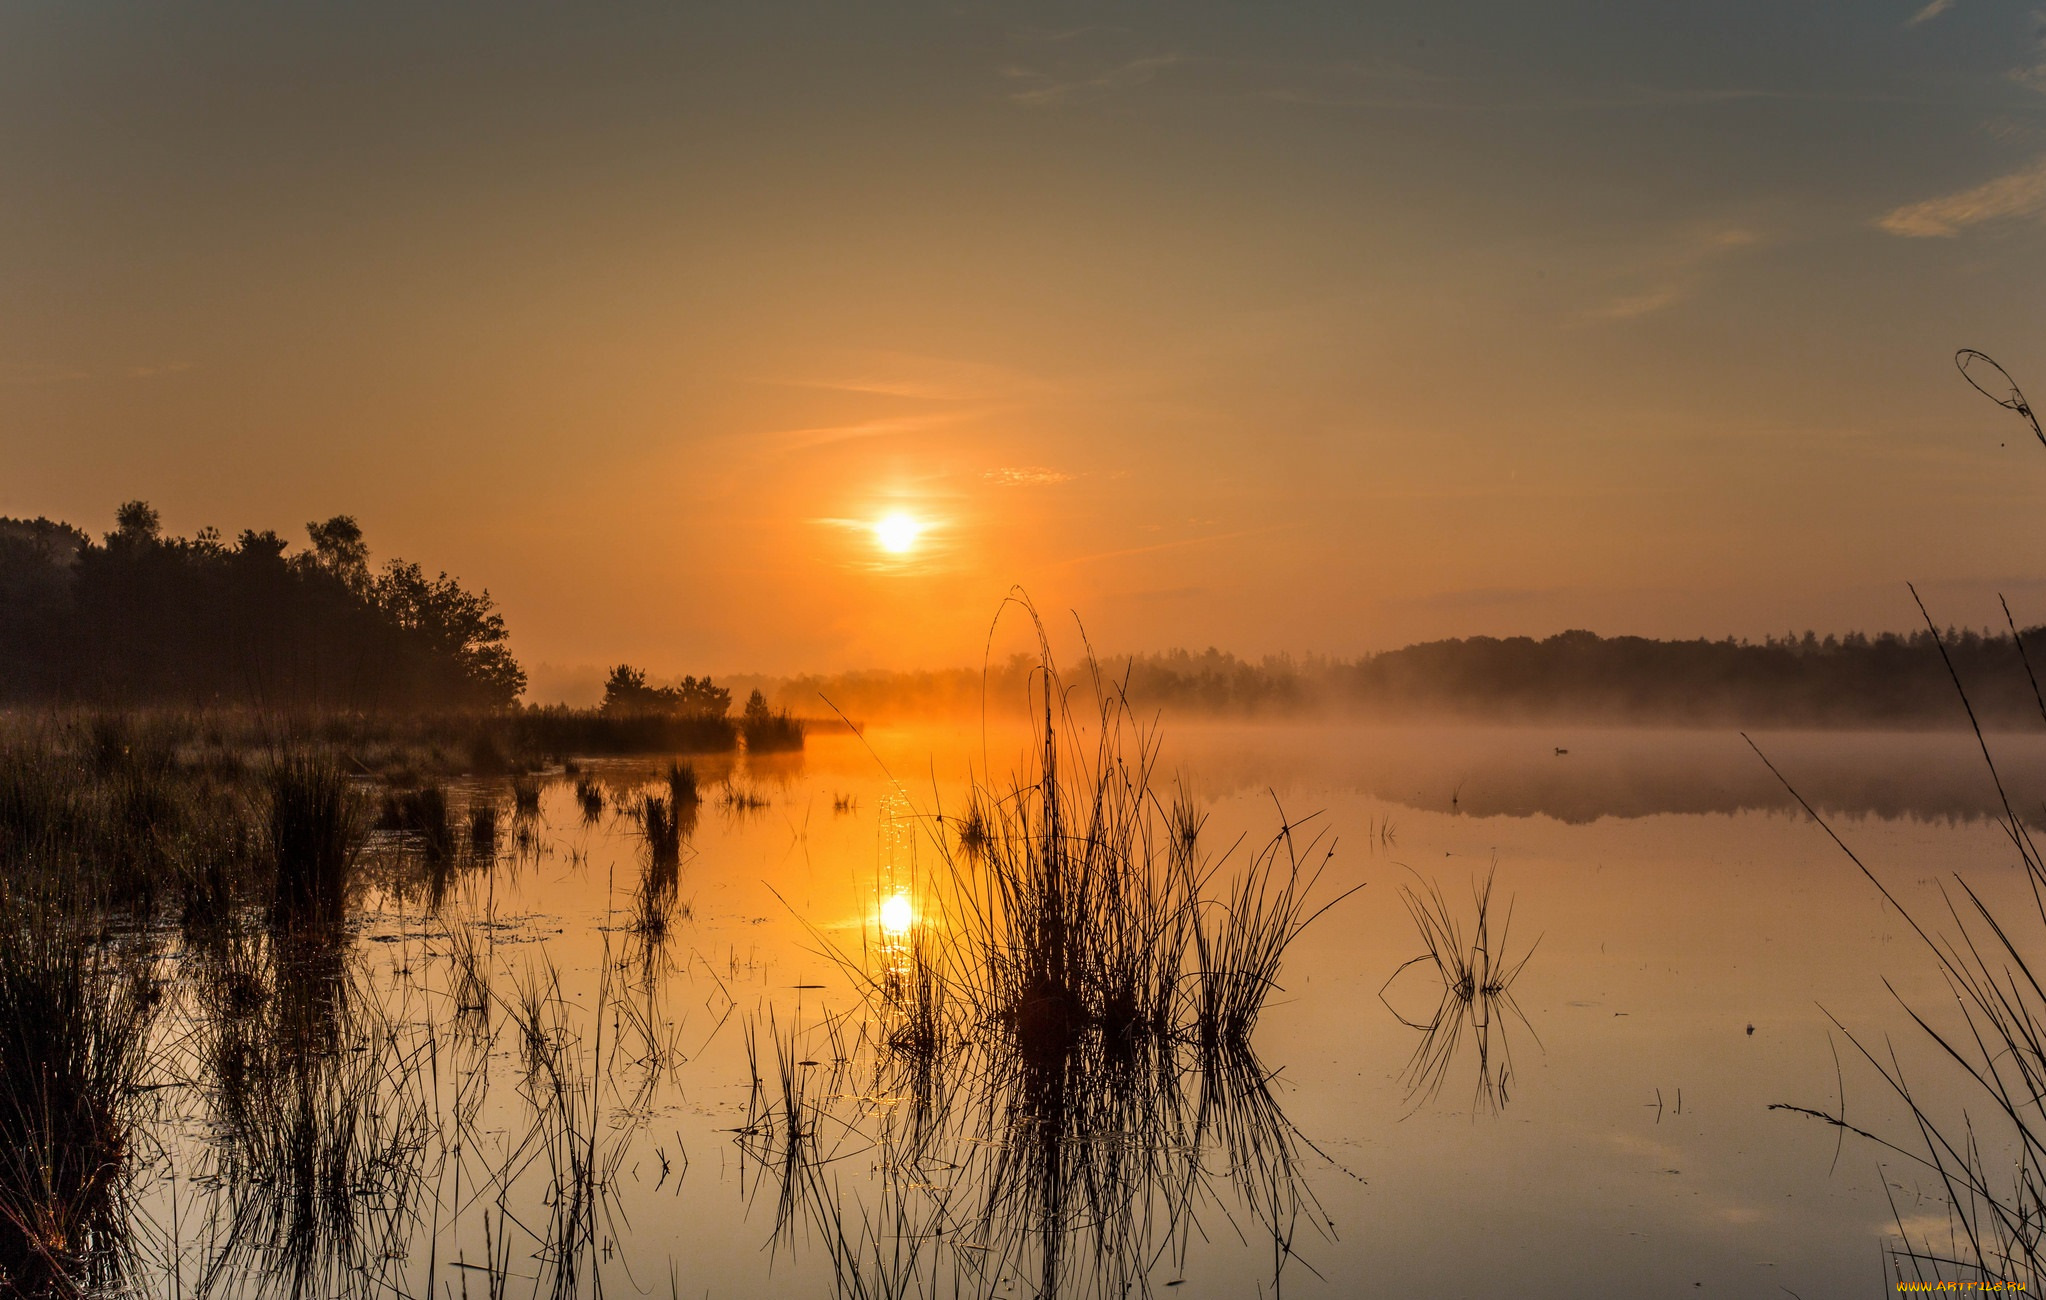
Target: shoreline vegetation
{"points": [[223, 643], [1885, 681], [145, 623]]}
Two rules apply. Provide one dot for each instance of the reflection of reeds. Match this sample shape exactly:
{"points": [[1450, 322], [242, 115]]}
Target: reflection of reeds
{"points": [[321, 1122], [1477, 980], [662, 829], [73, 1048], [1063, 1037], [590, 797], [314, 833], [683, 791]]}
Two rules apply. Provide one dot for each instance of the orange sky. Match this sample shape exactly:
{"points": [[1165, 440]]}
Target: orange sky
{"points": [[1272, 328]]}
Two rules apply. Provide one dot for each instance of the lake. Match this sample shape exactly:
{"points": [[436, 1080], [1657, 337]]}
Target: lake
{"points": [[1696, 950]]}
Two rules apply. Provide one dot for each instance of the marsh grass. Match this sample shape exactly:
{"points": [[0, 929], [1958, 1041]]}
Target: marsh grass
{"points": [[314, 833], [525, 799], [324, 1122], [1063, 1037], [424, 816], [684, 790], [74, 1029], [769, 731], [662, 829], [589, 796], [1989, 1160], [1078, 900], [1476, 971], [485, 819]]}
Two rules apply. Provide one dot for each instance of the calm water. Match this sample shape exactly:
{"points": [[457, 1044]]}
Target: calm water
{"points": [[1694, 941]]}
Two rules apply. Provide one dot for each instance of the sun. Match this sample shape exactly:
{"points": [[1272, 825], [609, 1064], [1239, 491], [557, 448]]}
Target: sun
{"points": [[897, 915], [897, 533]]}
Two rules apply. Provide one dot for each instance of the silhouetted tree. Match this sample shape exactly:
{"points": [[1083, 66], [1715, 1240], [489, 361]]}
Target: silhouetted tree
{"points": [[626, 692], [143, 618]]}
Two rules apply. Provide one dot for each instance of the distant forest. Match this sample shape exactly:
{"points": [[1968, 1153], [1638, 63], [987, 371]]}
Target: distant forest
{"points": [[1808, 680], [139, 618], [144, 619]]}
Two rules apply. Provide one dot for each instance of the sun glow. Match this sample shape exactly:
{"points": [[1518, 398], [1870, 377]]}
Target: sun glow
{"points": [[897, 533], [897, 915]]}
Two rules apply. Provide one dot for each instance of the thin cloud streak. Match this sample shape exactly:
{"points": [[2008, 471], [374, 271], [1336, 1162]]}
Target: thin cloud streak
{"points": [[1050, 89], [1677, 276], [2021, 193]]}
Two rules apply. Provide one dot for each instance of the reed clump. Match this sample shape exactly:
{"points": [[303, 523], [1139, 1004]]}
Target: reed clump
{"points": [[662, 829], [1064, 1021], [313, 831], [1476, 970], [74, 1028], [684, 789], [589, 796], [1078, 900], [424, 817]]}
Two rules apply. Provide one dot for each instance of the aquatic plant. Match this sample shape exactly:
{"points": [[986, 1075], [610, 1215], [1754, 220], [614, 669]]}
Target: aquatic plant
{"points": [[590, 797], [74, 1025], [314, 832], [424, 816], [683, 789], [1990, 1162], [321, 1126], [662, 831], [1065, 1016], [1476, 972]]}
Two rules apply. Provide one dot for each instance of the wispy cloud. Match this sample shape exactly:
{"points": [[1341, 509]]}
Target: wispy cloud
{"points": [[791, 440], [1930, 12], [1026, 476], [2021, 193], [1674, 274], [1038, 88], [914, 377]]}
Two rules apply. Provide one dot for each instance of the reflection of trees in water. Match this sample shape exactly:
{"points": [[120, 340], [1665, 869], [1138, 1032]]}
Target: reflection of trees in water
{"points": [[1516, 772]]}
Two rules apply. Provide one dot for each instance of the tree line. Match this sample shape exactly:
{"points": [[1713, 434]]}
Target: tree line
{"points": [[1856, 679], [140, 618]]}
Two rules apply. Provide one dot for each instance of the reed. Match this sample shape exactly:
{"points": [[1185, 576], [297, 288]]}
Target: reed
{"points": [[74, 1027], [683, 789], [1065, 1028], [662, 830], [1989, 1161], [324, 1121], [1476, 973], [589, 796], [314, 834]]}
